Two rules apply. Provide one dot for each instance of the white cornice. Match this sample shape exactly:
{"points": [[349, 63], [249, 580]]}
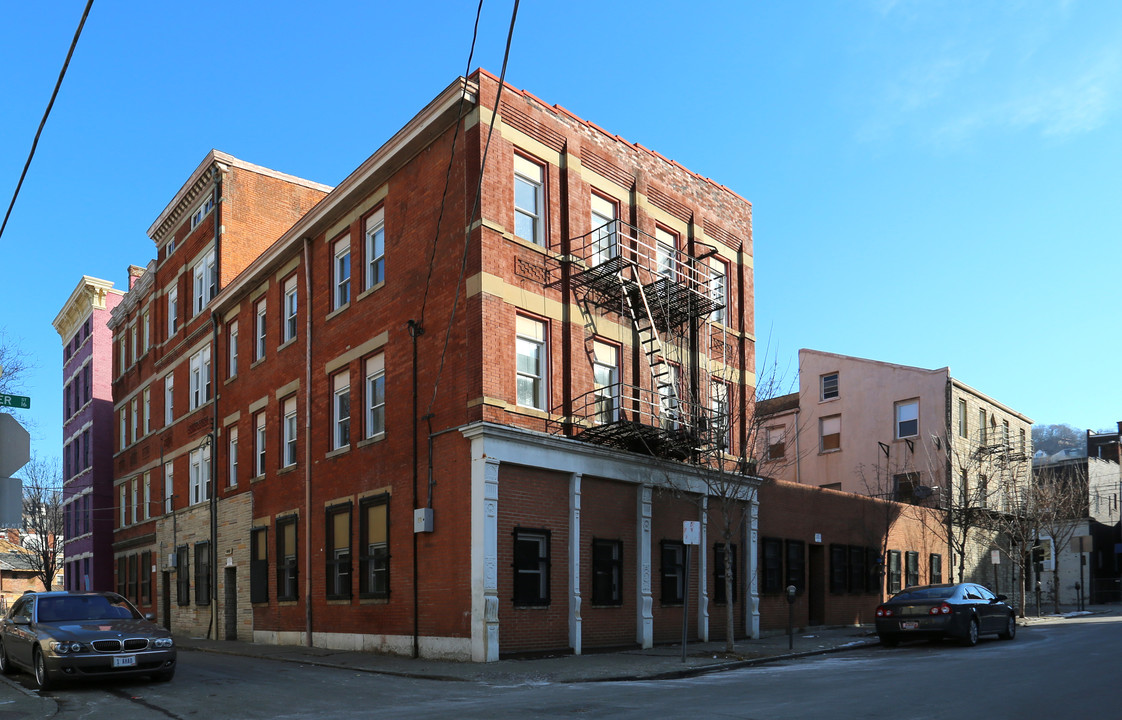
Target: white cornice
{"points": [[89, 295]]}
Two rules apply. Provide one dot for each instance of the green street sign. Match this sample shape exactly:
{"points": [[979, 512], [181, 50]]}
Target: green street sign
{"points": [[17, 401]]}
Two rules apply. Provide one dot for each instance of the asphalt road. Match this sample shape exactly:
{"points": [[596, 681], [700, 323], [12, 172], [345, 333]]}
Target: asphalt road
{"points": [[1069, 669]]}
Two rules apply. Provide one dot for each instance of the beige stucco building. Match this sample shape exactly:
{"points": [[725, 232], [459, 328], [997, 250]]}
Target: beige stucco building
{"points": [[903, 433]]}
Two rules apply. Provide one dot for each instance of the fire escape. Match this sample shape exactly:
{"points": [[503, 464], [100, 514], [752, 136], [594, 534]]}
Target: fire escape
{"points": [[673, 409]]}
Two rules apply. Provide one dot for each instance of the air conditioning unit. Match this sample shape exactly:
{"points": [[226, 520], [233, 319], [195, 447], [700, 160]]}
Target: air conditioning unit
{"points": [[171, 559]]}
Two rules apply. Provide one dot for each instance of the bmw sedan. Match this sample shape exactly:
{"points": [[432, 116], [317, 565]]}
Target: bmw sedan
{"points": [[63, 635], [962, 611]]}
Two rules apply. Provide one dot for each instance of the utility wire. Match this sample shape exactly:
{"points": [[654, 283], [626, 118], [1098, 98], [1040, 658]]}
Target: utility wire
{"points": [[448, 172], [46, 114], [474, 208]]}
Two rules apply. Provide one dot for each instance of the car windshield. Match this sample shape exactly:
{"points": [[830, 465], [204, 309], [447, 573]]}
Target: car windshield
{"points": [[930, 593], [83, 607]]}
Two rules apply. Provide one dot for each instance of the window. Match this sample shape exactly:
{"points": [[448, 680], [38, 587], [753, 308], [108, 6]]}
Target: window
{"points": [[289, 309], [605, 381], [829, 433], [669, 413], [260, 331], [124, 428], [232, 455], [839, 569], [259, 565], [259, 444], [147, 496], [147, 410], [132, 578], [893, 572], [341, 411], [1005, 434], [983, 491], [182, 576], [200, 377], [375, 249], [169, 396], [200, 212], [146, 577], [123, 358], [287, 586], [338, 552], [146, 331], [718, 291], [133, 502], [904, 485], [604, 238], [719, 414], [202, 573], [200, 475], [982, 426], [911, 569], [666, 251], [134, 419], [796, 564], [907, 419], [173, 311], [962, 432], [233, 349], [858, 571], [776, 439], [935, 569], [134, 343], [607, 572], [532, 362], [169, 488], [374, 545], [375, 396], [122, 574], [1021, 442], [87, 382], [719, 595], [205, 285], [531, 567], [528, 200], [342, 273], [673, 572], [289, 430], [829, 386]]}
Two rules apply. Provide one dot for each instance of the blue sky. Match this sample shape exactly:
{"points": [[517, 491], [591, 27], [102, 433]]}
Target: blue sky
{"points": [[934, 183]]}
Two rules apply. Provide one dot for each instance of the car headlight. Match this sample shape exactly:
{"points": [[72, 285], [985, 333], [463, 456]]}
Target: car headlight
{"points": [[65, 647], [163, 643]]}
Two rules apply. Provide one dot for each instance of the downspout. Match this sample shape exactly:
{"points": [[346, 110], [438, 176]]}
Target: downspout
{"points": [[213, 480], [216, 175], [415, 331], [307, 442]]}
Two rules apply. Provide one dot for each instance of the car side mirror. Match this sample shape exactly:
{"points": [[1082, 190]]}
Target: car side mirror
{"points": [[150, 617], [1001, 598], [21, 621]]}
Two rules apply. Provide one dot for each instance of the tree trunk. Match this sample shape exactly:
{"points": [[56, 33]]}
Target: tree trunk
{"points": [[730, 609]]}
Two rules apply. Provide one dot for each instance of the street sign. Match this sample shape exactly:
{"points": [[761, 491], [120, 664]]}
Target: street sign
{"points": [[691, 532], [17, 401], [15, 445], [11, 502]]}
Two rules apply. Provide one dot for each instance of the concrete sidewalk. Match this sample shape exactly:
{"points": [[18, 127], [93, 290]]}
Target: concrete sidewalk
{"points": [[664, 661]]}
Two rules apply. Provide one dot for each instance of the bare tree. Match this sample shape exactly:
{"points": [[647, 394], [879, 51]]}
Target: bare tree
{"points": [[14, 363], [1060, 501], [1060, 436], [1020, 524], [42, 531]]}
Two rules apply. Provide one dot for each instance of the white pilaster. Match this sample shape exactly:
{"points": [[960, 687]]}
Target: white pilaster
{"points": [[749, 558], [644, 634], [485, 556], [703, 573], [574, 563]]}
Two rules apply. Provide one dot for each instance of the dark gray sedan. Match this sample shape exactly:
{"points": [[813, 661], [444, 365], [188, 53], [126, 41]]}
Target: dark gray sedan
{"points": [[963, 611], [63, 635]]}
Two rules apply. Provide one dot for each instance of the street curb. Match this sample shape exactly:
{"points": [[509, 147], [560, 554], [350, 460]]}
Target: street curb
{"points": [[668, 675], [31, 694]]}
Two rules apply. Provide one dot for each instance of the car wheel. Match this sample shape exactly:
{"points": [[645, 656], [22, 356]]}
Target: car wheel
{"points": [[6, 667], [165, 676], [889, 640], [1010, 629], [42, 679], [971, 638]]}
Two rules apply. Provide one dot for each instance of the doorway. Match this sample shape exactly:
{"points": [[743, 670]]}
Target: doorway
{"points": [[165, 598], [231, 603]]}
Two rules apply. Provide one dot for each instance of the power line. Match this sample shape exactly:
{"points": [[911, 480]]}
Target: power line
{"points": [[46, 114], [474, 208]]}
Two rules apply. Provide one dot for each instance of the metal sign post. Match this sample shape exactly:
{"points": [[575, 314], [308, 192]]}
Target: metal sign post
{"points": [[691, 535]]}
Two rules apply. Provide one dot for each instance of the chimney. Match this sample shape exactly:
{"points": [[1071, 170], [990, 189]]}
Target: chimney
{"points": [[135, 271]]}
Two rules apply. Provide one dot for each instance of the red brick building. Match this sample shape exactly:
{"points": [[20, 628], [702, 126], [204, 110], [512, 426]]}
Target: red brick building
{"points": [[460, 407]]}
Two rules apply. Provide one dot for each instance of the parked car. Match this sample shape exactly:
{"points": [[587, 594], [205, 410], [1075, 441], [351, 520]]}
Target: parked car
{"points": [[64, 635], [964, 611]]}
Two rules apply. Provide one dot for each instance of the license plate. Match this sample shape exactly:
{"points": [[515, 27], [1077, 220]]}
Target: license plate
{"points": [[909, 626], [124, 661]]}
